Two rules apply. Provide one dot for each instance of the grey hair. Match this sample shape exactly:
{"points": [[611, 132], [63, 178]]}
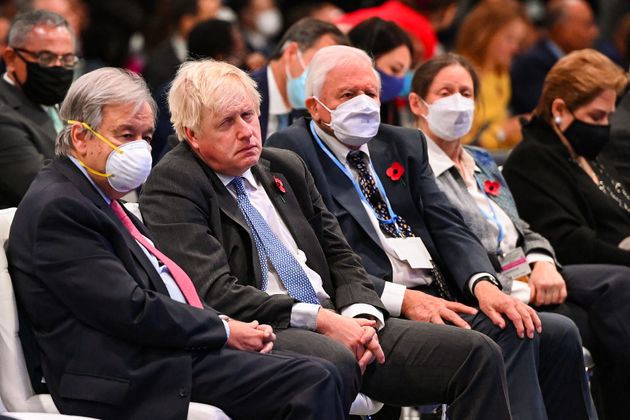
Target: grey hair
{"points": [[24, 23], [91, 92], [332, 57]]}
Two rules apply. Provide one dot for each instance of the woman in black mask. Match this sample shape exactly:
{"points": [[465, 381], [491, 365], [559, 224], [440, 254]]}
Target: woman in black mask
{"points": [[561, 187]]}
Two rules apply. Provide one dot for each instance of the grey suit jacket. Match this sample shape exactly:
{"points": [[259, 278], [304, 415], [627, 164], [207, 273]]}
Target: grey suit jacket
{"points": [[455, 189], [198, 223], [27, 142]]}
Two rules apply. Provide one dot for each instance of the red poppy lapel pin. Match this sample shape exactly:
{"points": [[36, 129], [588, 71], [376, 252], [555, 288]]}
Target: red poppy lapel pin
{"points": [[280, 187], [491, 187], [395, 172]]}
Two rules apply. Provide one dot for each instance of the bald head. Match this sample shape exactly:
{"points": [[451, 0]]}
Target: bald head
{"points": [[571, 24]]}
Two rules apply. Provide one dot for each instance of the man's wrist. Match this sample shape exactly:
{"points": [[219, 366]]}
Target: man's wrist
{"points": [[487, 278]]}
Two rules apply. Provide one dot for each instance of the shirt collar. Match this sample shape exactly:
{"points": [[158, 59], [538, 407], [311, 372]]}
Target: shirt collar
{"points": [[440, 162], [247, 175], [7, 79], [338, 149], [179, 47], [555, 49], [91, 181], [276, 102]]}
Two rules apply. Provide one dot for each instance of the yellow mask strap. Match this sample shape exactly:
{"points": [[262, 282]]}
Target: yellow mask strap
{"points": [[100, 137], [93, 171]]}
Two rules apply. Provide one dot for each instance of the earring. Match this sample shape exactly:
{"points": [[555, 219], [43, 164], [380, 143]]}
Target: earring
{"points": [[557, 119]]}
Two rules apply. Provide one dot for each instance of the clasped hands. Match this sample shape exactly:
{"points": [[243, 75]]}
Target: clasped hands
{"points": [[357, 334], [250, 336]]}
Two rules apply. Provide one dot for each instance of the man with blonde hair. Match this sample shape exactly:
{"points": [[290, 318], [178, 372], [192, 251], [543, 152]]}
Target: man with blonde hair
{"points": [[250, 227], [122, 331]]}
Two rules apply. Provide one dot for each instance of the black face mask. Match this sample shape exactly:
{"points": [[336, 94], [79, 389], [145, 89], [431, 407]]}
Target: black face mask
{"points": [[587, 139], [46, 85]]}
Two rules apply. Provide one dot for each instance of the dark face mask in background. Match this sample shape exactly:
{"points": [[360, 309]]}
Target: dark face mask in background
{"points": [[46, 85], [587, 139], [391, 86]]}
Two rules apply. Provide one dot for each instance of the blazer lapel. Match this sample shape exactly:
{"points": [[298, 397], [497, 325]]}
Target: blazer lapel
{"points": [[66, 167], [343, 191]]}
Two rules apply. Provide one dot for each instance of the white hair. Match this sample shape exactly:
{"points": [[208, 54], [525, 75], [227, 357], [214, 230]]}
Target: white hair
{"points": [[91, 92], [207, 86], [332, 57]]}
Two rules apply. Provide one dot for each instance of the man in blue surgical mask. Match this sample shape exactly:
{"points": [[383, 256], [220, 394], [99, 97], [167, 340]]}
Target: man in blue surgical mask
{"points": [[423, 260], [281, 83]]}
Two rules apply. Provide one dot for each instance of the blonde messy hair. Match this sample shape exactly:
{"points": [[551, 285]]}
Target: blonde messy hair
{"points": [[205, 87]]}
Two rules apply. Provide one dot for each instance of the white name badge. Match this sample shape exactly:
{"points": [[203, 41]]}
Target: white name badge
{"points": [[411, 250], [514, 264]]}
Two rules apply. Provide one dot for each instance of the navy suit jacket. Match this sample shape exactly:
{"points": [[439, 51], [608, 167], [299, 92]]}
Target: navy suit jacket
{"points": [[415, 197], [114, 345], [528, 75], [260, 77]]}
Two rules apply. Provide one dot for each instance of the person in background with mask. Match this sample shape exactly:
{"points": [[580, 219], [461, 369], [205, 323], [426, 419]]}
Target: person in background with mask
{"points": [[376, 180], [561, 187], [597, 295], [392, 51], [281, 82], [40, 59], [260, 22]]}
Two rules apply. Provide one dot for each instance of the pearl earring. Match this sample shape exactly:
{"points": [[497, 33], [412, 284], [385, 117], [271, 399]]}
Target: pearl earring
{"points": [[557, 119]]}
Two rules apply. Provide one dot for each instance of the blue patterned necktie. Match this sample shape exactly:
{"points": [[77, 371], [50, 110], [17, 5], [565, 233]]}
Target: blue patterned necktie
{"points": [[269, 246], [400, 228]]}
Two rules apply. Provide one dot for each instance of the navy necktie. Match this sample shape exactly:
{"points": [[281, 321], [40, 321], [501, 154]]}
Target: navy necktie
{"points": [[269, 246], [399, 228]]}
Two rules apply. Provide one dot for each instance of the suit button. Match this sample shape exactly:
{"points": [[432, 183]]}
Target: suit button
{"points": [[182, 393]]}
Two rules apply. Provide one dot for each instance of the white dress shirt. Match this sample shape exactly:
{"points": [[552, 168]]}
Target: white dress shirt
{"points": [[440, 162], [277, 106], [303, 315]]}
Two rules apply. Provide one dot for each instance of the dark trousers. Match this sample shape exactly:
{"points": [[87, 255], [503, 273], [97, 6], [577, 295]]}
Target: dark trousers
{"points": [[599, 303], [425, 363], [545, 375], [281, 385]]}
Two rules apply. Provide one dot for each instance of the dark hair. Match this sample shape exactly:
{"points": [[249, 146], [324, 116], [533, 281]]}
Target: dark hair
{"points": [[212, 38], [426, 73], [181, 8], [377, 37], [429, 6], [306, 32]]}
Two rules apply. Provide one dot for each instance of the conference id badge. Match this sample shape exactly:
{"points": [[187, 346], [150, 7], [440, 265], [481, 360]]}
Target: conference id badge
{"points": [[411, 250], [514, 264]]}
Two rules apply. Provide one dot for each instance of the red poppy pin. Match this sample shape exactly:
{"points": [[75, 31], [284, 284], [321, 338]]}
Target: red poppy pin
{"points": [[395, 172], [279, 185], [491, 187]]}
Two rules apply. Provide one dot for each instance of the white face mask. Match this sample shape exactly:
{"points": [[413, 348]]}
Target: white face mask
{"points": [[130, 168], [451, 117], [356, 121], [269, 22]]}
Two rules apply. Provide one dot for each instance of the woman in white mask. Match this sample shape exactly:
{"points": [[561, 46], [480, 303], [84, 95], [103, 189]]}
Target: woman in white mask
{"points": [[443, 97]]}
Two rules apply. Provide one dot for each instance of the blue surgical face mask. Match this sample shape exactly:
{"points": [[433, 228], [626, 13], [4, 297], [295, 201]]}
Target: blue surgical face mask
{"points": [[406, 90], [296, 86], [391, 86]]}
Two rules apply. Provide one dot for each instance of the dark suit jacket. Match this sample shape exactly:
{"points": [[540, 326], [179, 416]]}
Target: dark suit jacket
{"points": [[27, 142], [560, 201], [617, 152], [416, 198], [161, 65], [198, 222], [528, 73], [114, 345]]}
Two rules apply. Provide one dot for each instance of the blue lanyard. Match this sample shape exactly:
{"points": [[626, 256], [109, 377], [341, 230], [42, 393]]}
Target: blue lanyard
{"points": [[392, 216], [494, 217]]}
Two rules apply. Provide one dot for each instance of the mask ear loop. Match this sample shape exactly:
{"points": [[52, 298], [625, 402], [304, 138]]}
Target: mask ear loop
{"points": [[101, 137]]}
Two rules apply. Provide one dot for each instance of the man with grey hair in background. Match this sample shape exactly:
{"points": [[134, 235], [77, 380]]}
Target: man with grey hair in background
{"points": [[40, 59], [250, 227], [121, 329]]}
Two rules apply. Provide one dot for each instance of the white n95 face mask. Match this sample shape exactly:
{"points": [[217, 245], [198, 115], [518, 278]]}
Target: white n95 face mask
{"points": [[355, 121], [451, 118], [131, 168]]}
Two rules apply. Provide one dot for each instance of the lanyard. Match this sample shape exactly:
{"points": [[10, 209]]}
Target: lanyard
{"points": [[491, 218], [392, 216]]}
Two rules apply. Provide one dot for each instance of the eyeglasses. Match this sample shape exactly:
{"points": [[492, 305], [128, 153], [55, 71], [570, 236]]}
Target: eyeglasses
{"points": [[48, 59]]}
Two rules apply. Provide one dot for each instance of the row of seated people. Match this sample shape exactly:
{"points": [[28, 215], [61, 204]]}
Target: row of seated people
{"points": [[339, 255]]}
